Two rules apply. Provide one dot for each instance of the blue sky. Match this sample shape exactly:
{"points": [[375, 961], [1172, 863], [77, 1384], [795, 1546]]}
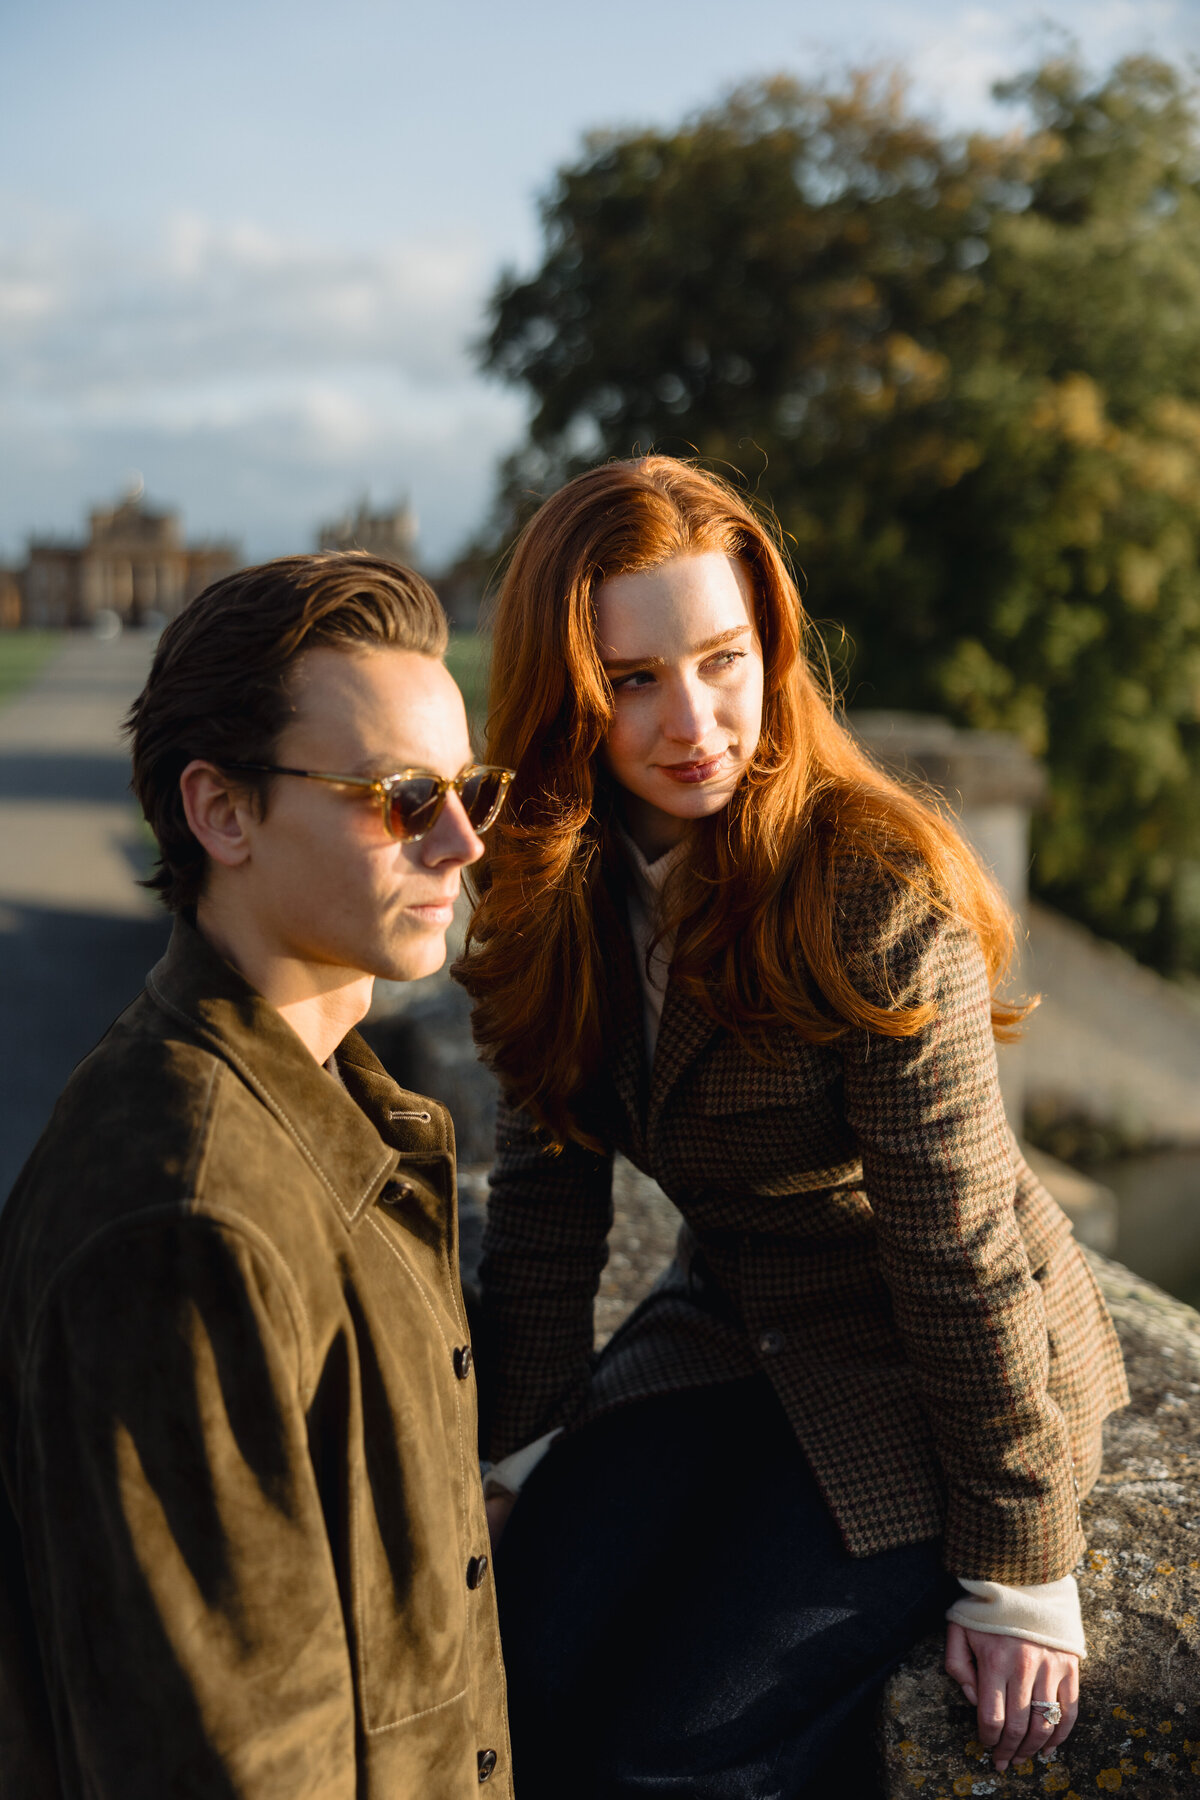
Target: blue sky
{"points": [[244, 248]]}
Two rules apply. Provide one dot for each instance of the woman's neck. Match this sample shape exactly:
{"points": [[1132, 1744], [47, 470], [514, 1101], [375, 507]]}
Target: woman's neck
{"points": [[652, 830]]}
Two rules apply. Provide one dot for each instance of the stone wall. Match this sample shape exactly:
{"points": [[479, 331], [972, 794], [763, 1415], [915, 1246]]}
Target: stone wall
{"points": [[1139, 1725]]}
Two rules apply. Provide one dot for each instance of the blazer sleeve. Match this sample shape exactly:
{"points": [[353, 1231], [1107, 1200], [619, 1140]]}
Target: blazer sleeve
{"points": [[544, 1247], [939, 1173], [181, 1575]]}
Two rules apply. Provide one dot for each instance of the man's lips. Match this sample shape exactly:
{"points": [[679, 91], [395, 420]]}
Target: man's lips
{"points": [[700, 769], [434, 912]]}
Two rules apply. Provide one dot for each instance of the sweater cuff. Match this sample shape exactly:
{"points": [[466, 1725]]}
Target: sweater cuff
{"points": [[509, 1475], [1046, 1613]]}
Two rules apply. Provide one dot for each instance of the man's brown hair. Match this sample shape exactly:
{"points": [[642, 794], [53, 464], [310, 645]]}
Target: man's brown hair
{"points": [[218, 687]]}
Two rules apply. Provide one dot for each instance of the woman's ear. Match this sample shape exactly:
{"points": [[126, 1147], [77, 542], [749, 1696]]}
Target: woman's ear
{"points": [[220, 813]]}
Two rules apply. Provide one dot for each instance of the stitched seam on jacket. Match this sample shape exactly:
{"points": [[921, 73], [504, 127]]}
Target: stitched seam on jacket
{"points": [[176, 1209], [462, 1463], [428, 1304], [375, 1730], [256, 1083], [194, 1178]]}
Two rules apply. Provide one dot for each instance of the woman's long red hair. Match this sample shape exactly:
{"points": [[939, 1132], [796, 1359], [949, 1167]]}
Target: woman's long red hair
{"points": [[756, 900]]}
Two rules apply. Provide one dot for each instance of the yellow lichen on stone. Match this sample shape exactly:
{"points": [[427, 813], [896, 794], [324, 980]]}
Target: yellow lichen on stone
{"points": [[1109, 1779], [1165, 1725], [1097, 1562], [1024, 1767], [908, 1750], [1119, 1712], [973, 1747], [1164, 1568], [963, 1784], [1187, 1621], [1056, 1781]]}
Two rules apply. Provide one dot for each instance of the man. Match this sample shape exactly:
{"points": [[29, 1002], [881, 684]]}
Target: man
{"points": [[242, 1536]]}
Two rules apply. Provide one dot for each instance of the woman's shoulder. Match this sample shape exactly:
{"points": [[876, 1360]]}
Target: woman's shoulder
{"points": [[889, 923]]}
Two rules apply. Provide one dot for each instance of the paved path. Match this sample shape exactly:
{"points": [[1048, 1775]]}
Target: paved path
{"points": [[76, 933]]}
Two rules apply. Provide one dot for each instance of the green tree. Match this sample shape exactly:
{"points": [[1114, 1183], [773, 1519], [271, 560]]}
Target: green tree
{"points": [[966, 373]]}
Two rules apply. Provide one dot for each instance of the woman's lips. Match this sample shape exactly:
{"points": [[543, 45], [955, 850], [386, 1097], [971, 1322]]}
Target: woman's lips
{"points": [[692, 773]]}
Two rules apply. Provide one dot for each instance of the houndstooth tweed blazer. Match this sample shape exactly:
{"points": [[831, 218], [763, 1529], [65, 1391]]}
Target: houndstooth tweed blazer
{"points": [[858, 1223]]}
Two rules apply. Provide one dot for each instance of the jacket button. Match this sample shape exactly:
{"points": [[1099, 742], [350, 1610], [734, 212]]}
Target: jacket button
{"points": [[485, 1761], [477, 1569], [771, 1342], [462, 1361]]}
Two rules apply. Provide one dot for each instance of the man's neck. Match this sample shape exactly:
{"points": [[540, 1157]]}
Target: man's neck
{"points": [[321, 1003]]}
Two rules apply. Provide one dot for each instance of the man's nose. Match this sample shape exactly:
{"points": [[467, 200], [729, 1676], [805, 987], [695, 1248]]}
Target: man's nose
{"points": [[453, 839]]}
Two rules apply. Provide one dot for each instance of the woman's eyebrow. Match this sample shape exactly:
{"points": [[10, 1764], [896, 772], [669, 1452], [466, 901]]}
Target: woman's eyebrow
{"points": [[618, 664]]}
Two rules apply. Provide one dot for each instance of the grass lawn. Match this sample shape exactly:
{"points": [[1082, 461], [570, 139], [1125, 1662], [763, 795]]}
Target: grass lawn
{"points": [[22, 654], [467, 660]]}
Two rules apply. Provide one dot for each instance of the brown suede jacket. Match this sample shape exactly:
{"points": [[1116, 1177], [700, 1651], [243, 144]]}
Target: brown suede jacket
{"points": [[242, 1536]]}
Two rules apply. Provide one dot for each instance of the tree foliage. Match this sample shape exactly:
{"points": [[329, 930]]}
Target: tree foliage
{"points": [[966, 373]]}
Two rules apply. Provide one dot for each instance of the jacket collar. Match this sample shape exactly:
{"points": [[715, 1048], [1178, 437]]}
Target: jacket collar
{"points": [[351, 1136]]}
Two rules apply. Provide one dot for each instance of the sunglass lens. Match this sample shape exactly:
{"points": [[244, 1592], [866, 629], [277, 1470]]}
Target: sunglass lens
{"points": [[413, 806], [482, 793]]}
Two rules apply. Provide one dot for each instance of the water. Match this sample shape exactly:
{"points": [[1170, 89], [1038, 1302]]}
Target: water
{"points": [[1158, 1230]]}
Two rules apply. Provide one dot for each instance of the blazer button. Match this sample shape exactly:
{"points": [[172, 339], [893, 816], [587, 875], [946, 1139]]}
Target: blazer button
{"points": [[477, 1570], [462, 1361], [485, 1761], [771, 1342]]}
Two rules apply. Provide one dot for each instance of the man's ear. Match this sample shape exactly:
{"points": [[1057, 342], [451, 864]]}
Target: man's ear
{"points": [[220, 813]]}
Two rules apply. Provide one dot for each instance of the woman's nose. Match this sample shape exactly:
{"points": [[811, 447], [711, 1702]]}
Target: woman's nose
{"points": [[687, 712]]}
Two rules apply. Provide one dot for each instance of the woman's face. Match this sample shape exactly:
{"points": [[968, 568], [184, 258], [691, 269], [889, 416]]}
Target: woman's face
{"points": [[681, 651]]}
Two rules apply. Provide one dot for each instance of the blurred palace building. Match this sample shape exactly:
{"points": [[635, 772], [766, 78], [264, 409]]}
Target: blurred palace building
{"points": [[390, 534], [134, 563]]}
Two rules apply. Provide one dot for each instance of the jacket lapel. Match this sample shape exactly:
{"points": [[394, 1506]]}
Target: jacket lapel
{"points": [[685, 1030], [627, 1035]]}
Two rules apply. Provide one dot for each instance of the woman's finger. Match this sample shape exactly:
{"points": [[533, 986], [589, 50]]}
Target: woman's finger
{"points": [[991, 1711], [1041, 1724], [960, 1664], [1017, 1696], [1068, 1700]]}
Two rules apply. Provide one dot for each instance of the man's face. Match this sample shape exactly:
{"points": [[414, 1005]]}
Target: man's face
{"points": [[326, 885]]}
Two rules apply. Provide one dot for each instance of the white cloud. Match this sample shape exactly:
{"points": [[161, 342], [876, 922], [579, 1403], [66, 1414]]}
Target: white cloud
{"points": [[264, 377]]}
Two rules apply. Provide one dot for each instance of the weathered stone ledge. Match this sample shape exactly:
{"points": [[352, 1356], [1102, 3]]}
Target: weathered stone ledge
{"points": [[1139, 1724]]}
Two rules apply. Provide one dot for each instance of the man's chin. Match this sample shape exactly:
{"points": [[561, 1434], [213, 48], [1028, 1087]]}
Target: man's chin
{"points": [[412, 961]]}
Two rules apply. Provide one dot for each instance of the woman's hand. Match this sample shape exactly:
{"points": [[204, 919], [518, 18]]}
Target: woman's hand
{"points": [[1000, 1676], [498, 1509]]}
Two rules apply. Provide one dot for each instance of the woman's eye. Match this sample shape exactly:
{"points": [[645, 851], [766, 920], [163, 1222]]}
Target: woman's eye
{"points": [[623, 684], [725, 660]]}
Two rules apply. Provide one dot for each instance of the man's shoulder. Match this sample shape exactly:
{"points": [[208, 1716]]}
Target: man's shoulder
{"points": [[129, 1139]]}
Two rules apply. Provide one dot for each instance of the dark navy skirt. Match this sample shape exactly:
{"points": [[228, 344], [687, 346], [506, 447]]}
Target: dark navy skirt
{"points": [[680, 1616]]}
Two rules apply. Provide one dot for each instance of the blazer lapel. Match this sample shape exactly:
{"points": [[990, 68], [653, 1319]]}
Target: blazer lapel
{"points": [[626, 1058], [685, 1029]]}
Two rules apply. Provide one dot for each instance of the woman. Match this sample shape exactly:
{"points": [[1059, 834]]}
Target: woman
{"points": [[712, 935]]}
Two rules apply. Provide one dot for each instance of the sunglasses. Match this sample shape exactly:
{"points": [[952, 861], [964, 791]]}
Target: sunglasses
{"points": [[412, 800]]}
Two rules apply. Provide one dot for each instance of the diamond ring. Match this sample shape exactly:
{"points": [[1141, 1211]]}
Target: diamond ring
{"points": [[1051, 1710]]}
